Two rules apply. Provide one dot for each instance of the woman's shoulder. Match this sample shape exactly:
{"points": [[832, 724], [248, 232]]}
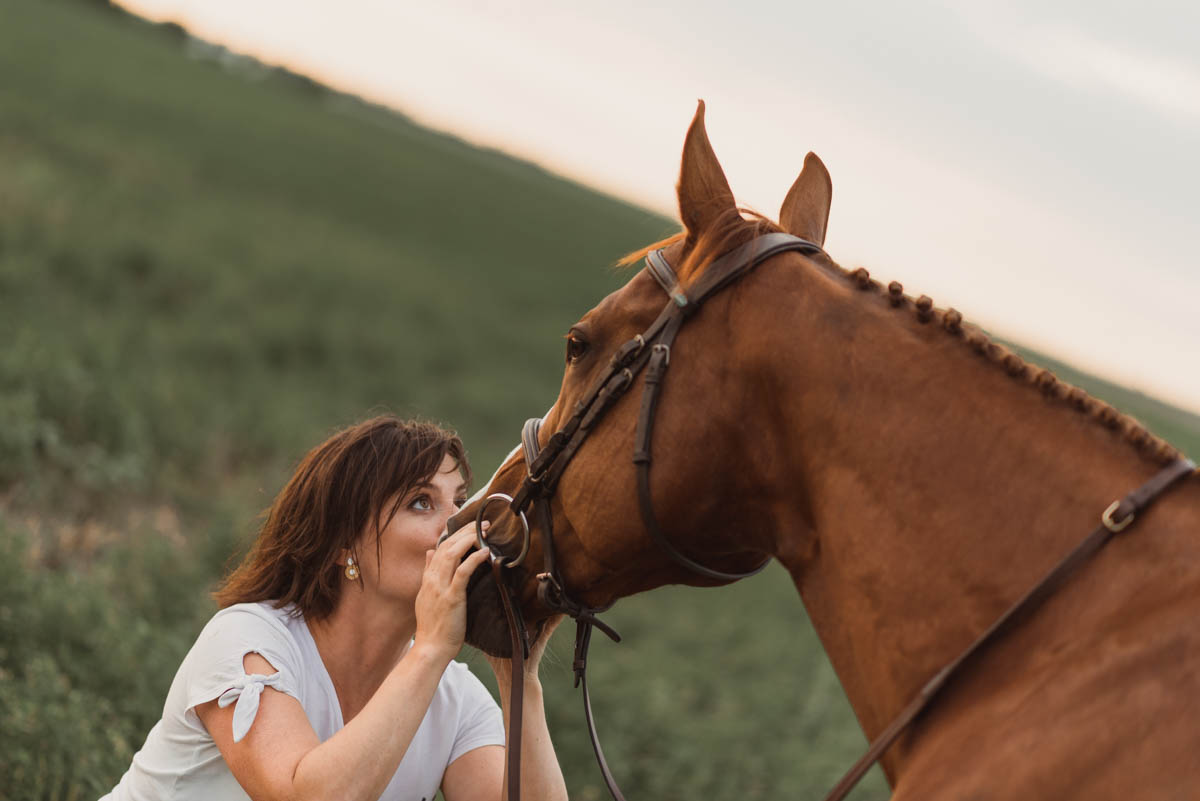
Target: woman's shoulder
{"points": [[460, 687], [259, 627], [215, 661], [466, 711], [260, 614]]}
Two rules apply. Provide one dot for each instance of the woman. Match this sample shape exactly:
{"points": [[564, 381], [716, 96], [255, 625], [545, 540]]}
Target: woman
{"points": [[328, 672]]}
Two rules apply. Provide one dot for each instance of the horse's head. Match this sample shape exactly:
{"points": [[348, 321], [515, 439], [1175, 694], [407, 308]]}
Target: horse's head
{"points": [[713, 483]]}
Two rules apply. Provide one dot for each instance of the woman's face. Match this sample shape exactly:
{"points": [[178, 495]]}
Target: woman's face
{"points": [[394, 569]]}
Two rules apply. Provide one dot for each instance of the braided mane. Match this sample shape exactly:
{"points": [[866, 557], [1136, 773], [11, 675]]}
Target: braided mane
{"points": [[737, 226]]}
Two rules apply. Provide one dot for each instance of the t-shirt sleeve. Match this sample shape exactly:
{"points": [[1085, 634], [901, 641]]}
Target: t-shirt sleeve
{"points": [[480, 721], [215, 668]]}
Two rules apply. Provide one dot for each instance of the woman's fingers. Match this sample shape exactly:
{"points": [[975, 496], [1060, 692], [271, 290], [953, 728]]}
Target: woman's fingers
{"points": [[551, 624], [456, 540], [471, 526], [448, 559], [462, 539], [543, 639], [447, 555], [468, 567]]}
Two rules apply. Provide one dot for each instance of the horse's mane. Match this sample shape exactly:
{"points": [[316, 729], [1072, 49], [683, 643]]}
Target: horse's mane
{"points": [[736, 226]]}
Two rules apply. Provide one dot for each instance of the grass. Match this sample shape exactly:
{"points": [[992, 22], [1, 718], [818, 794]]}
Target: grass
{"points": [[205, 266]]}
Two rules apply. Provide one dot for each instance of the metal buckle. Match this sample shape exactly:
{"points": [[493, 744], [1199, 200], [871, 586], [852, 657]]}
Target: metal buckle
{"points": [[665, 350], [550, 593], [1115, 526], [500, 496], [628, 352]]}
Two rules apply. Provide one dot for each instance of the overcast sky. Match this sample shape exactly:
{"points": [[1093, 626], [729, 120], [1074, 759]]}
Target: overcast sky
{"points": [[1032, 164]]}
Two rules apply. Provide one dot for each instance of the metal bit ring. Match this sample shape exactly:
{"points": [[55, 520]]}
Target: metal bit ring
{"points": [[519, 558]]}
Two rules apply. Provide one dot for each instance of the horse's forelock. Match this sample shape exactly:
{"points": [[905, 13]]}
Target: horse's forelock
{"points": [[731, 229]]}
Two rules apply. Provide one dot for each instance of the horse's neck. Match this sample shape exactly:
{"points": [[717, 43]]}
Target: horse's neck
{"points": [[936, 490]]}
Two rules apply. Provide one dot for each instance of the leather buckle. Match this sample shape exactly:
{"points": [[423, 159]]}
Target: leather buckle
{"points": [[628, 352], [1115, 526], [621, 382]]}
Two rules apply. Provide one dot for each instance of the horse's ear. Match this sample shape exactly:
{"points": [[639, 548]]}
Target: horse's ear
{"points": [[805, 211], [704, 192]]}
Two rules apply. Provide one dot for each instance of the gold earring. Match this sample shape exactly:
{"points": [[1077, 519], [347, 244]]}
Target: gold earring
{"points": [[351, 568]]}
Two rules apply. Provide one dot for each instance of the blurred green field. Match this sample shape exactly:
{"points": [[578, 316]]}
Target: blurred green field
{"points": [[206, 266]]}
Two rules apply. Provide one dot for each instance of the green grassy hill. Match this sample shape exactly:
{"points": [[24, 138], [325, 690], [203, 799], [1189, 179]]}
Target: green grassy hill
{"points": [[205, 266]]}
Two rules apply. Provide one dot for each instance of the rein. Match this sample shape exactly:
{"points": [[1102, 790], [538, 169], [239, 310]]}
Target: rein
{"points": [[651, 350]]}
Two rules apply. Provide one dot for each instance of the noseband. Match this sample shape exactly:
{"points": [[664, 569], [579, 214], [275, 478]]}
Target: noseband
{"points": [[651, 350]]}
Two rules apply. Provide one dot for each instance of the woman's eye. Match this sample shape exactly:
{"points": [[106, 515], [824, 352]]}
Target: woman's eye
{"points": [[576, 347], [460, 503], [421, 504]]}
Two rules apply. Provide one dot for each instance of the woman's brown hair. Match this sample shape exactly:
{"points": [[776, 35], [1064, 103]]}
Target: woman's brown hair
{"points": [[338, 488]]}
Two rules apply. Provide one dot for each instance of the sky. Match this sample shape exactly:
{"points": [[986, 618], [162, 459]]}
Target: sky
{"points": [[1031, 164]]}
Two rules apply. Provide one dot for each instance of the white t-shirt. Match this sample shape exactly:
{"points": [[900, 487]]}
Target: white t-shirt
{"points": [[180, 761]]}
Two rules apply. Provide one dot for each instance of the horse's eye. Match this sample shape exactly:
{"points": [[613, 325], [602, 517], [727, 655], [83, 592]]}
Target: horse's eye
{"points": [[576, 347]]}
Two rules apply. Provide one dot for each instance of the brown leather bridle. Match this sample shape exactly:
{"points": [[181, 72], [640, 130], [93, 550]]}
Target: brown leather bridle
{"points": [[651, 350]]}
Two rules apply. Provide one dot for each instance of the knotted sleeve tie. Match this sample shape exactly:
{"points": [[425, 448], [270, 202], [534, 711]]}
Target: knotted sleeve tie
{"points": [[246, 691]]}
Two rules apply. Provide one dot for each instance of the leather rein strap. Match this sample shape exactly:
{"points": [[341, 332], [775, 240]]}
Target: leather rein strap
{"points": [[516, 692], [1126, 510], [651, 350]]}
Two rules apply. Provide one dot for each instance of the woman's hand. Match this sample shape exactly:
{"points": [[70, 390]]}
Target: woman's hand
{"points": [[441, 605], [502, 666]]}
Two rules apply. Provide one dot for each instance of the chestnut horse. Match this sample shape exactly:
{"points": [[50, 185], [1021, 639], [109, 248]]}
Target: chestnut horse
{"points": [[915, 479]]}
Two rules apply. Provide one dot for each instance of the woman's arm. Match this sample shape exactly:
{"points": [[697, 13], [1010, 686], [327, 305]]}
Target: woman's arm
{"points": [[541, 777], [482, 773], [281, 758]]}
